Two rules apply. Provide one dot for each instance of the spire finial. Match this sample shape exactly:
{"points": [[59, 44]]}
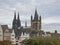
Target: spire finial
{"points": [[18, 15], [18, 21], [15, 15], [36, 15]]}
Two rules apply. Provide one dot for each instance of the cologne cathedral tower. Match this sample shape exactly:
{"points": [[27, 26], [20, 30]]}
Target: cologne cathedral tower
{"points": [[36, 22], [16, 22], [16, 25]]}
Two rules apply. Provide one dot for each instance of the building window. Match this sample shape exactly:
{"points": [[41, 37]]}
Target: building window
{"points": [[12, 38], [12, 42], [12, 35]]}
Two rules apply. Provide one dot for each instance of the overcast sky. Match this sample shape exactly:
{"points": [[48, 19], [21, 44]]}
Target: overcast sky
{"points": [[48, 9]]}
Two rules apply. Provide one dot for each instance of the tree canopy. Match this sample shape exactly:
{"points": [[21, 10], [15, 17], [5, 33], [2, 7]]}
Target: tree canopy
{"points": [[42, 41]]}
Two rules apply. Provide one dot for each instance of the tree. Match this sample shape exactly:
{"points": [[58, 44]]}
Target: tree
{"points": [[42, 41]]}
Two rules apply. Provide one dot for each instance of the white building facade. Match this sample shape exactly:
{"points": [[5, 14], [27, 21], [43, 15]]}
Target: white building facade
{"points": [[13, 39], [1, 34], [7, 35]]}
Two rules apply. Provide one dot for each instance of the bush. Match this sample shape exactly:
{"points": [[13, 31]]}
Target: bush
{"points": [[42, 41]]}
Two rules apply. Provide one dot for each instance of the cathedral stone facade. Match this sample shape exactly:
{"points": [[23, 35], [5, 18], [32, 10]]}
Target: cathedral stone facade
{"points": [[16, 25], [16, 22], [36, 22]]}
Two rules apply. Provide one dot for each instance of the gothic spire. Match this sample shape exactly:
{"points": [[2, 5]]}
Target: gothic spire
{"points": [[18, 15], [40, 18], [14, 21], [40, 23], [36, 15], [15, 15], [18, 21], [31, 17]]}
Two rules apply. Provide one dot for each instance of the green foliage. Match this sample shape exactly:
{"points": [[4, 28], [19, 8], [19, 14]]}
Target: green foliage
{"points": [[42, 41], [30, 31]]}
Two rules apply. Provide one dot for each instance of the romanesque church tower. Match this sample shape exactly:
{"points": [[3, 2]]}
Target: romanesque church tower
{"points": [[36, 22]]}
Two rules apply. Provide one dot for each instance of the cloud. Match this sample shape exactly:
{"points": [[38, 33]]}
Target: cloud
{"points": [[54, 19], [48, 9]]}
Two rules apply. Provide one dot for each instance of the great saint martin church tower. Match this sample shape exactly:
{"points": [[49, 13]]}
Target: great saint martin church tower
{"points": [[36, 22]]}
